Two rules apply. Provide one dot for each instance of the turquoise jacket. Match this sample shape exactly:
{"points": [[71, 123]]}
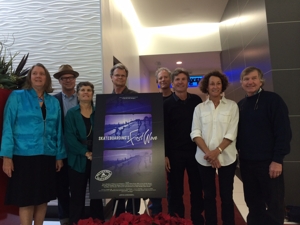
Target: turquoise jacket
{"points": [[25, 132], [75, 131]]}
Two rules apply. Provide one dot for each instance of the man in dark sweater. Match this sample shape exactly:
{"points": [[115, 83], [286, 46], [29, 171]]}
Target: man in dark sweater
{"points": [[264, 136], [180, 149], [119, 75]]}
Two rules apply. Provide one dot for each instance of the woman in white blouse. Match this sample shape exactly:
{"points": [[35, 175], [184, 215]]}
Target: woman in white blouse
{"points": [[214, 130]]}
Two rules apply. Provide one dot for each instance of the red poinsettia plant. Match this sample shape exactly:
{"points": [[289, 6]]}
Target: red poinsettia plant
{"points": [[144, 219]]}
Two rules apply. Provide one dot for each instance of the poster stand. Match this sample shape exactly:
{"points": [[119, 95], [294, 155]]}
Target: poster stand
{"points": [[133, 207]]}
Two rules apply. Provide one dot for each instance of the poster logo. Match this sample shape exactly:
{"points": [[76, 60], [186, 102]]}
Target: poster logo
{"points": [[103, 175]]}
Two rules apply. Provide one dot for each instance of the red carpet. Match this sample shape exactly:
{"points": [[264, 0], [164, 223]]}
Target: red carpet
{"points": [[186, 198]]}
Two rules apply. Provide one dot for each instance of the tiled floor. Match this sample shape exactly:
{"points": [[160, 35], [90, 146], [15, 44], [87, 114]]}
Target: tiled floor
{"points": [[238, 197]]}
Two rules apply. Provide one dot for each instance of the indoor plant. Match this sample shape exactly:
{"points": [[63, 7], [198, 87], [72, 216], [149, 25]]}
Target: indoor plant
{"points": [[10, 78]]}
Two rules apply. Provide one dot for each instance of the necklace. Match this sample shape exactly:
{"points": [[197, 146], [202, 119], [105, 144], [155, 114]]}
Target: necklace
{"points": [[41, 99], [216, 104], [90, 131]]}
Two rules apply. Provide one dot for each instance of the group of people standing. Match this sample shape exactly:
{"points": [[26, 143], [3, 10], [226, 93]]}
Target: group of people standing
{"points": [[202, 137], [47, 146]]}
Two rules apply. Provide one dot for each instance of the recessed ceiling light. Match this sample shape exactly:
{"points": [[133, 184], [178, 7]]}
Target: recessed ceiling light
{"points": [[178, 62]]}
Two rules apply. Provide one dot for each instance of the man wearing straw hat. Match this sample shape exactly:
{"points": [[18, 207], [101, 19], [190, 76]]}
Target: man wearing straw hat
{"points": [[67, 99]]}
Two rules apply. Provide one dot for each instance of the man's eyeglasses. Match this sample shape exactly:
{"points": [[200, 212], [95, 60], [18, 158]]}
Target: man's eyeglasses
{"points": [[120, 76], [67, 78]]}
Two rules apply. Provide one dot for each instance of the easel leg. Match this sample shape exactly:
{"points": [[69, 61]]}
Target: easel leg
{"points": [[133, 206], [146, 207], [115, 209]]}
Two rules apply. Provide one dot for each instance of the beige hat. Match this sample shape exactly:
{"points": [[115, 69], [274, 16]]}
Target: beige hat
{"points": [[65, 69]]}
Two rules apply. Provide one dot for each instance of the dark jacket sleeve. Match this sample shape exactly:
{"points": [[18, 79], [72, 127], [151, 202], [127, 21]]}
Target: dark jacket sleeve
{"points": [[281, 129], [166, 129]]}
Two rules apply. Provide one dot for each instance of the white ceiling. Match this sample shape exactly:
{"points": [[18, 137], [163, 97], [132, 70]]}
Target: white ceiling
{"points": [[156, 13], [206, 61]]}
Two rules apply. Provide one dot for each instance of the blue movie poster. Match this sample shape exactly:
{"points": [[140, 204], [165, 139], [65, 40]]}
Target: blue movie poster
{"points": [[128, 131], [128, 147]]}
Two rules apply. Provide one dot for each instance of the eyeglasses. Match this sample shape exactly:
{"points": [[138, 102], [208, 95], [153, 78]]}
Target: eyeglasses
{"points": [[67, 78], [120, 76]]}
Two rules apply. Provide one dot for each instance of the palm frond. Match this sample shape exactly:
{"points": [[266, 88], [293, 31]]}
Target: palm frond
{"points": [[11, 78]]}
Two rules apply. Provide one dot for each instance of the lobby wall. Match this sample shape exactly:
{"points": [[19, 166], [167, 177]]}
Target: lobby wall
{"points": [[54, 33], [265, 34], [283, 19], [118, 40]]}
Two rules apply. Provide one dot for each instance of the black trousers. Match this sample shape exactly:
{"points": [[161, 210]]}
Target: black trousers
{"points": [[78, 183], [225, 176], [181, 161], [264, 196], [63, 191]]}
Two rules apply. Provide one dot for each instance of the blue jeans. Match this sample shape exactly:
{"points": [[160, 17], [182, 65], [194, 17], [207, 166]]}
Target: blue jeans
{"points": [[225, 176], [264, 196]]}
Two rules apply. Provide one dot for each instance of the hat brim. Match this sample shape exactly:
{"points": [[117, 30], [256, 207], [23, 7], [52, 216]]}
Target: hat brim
{"points": [[59, 74]]}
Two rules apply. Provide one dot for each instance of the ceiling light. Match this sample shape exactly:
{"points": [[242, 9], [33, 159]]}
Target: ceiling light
{"points": [[178, 62]]}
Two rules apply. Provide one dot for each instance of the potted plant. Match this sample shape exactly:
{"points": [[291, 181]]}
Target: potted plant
{"points": [[10, 78]]}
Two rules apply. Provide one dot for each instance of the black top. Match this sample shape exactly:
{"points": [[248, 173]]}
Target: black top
{"points": [[264, 131], [89, 131], [126, 91], [166, 97], [178, 117], [43, 108]]}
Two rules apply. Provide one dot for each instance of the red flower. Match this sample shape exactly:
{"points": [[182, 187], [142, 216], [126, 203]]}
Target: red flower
{"points": [[89, 221], [144, 219]]}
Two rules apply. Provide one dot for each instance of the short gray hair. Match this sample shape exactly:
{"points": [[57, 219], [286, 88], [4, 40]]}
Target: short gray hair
{"points": [[250, 69], [162, 69]]}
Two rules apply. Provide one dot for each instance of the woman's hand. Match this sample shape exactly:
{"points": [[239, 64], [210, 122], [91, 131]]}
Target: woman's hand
{"points": [[211, 156], [8, 166], [167, 164], [216, 164], [59, 165], [89, 155]]}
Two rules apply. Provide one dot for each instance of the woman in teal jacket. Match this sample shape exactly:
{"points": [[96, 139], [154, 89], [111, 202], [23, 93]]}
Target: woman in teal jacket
{"points": [[32, 146], [79, 124]]}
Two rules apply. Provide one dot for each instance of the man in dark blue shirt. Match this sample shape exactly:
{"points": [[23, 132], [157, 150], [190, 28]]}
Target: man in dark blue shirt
{"points": [[264, 136]]}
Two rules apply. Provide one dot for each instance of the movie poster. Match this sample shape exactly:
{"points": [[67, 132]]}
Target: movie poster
{"points": [[128, 147]]}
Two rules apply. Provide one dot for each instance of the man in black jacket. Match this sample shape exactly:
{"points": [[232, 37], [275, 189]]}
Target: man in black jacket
{"points": [[180, 150], [67, 99], [264, 136]]}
